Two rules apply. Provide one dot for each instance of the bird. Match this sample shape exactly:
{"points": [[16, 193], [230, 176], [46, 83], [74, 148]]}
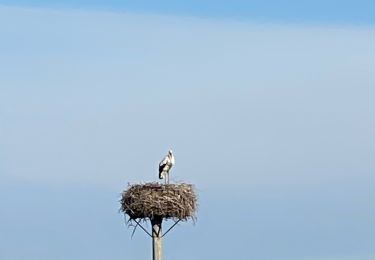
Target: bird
{"points": [[165, 166]]}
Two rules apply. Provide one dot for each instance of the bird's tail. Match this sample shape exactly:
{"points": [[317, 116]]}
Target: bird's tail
{"points": [[161, 175]]}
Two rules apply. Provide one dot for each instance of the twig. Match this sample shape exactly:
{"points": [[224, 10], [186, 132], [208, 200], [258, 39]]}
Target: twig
{"points": [[138, 224]]}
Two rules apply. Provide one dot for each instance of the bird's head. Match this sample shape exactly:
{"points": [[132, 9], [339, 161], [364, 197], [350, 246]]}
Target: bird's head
{"points": [[170, 152]]}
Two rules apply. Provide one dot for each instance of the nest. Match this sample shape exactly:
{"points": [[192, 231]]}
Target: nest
{"points": [[154, 200]]}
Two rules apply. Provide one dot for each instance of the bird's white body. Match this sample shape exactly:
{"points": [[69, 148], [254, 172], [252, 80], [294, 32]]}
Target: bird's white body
{"points": [[165, 166]]}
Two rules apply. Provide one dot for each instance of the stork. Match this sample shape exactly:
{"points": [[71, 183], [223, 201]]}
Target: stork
{"points": [[165, 166]]}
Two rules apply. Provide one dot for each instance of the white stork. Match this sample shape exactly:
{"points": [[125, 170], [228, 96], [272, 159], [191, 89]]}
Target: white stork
{"points": [[165, 166]]}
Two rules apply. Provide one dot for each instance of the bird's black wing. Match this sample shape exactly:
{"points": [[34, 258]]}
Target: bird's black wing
{"points": [[161, 168]]}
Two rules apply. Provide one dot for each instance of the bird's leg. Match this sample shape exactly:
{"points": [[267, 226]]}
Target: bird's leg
{"points": [[168, 177]]}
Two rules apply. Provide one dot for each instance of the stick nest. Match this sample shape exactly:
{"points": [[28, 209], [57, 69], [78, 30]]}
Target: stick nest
{"points": [[168, 201]]}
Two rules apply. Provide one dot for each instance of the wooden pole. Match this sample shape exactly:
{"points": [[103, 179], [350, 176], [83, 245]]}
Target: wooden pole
{"points": [[156, 238]]}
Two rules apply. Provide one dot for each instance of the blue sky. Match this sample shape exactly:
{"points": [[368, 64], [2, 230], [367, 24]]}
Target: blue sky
{"points": [[307, 11], [269, 115]]}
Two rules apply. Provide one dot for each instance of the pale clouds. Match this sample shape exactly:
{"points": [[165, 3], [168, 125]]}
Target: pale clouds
{"points": [[99, 97]]}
